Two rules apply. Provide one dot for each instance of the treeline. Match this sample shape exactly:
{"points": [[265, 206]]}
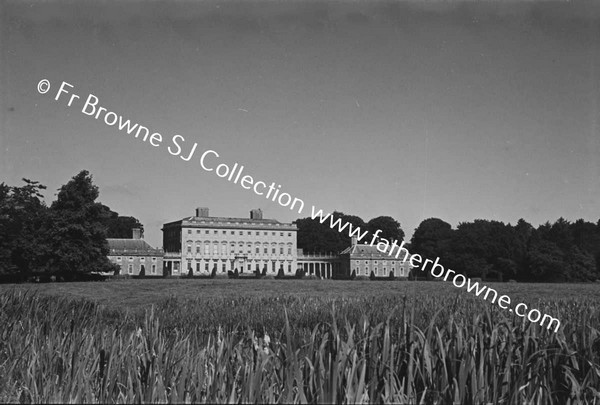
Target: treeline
{"points": [[317, 237], [562, 251], [66, 239], [492, 250]]}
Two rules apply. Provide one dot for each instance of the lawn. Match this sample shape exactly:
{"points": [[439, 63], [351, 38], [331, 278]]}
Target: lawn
{"points": [[130, 293]]}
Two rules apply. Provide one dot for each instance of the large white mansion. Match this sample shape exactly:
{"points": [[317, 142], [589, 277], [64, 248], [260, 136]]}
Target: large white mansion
{"points": [[201, 244], [198, 244]]}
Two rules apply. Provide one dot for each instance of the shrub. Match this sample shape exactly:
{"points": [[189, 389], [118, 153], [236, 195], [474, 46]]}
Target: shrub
{"points": [[372, 276], [353, 275], [280, 273], [213, 273]]}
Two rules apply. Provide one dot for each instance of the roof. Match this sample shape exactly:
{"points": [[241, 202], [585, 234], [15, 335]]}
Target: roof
{"points": [[131, 246], [224, 222], [365, 250]]}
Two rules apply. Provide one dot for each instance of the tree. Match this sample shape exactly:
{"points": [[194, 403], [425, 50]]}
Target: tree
{"points": [[22, 212], [390, 228], [431, 239], [120, 226], [76, 231]]}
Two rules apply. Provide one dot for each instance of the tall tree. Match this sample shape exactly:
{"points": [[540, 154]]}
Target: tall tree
{"points": [[431, 239], [77, 230], [390, 228], [119, 226], [22, 210]]}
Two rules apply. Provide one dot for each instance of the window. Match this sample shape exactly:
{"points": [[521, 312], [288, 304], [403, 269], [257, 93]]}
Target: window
{"points": [[206, 267], [290, 234], [224, 232], [154, 259], [197, 267], [232, 246], [265, 233], [257, 233], [281, 250], [273, 250], [119, 258], [153, 269], [206, 248], [130, 268], [198, 249], [197, 231], [130, 259], [289, 268], [223, 268], [249, 233], [273, 233], [142, 259], [176, 266], [289, 251], [206, 232], [216, 232], [280, 233], [241, 233], [233, 232], [266, 250], [189, 231], [257, 250]]}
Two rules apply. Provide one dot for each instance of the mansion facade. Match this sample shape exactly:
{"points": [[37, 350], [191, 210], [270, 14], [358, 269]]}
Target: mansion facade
{"points": [[202, 245], [135, 256]]}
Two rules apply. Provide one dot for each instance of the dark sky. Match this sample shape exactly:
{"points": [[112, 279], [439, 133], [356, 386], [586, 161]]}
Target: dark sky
{"points": [[413, 110]]}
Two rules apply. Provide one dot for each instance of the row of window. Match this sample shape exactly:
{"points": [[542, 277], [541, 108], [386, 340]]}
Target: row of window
{"points": [[232, 249], [272, 268], [142, 259], [357, 262], [379, 271], [130, 269], [257, 233]]}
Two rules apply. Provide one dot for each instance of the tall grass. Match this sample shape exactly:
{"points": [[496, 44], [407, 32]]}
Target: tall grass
{"points": [[290, 349]]}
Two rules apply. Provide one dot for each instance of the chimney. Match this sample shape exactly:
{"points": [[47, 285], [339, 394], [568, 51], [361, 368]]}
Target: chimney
{"points": [[256, 214], [137, 233], [354, 241], [202, 212]]}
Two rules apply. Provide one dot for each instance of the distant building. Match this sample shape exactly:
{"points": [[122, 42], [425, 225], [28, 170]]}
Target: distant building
{"points": [[135, 255], [201, 243], [364, 259]]}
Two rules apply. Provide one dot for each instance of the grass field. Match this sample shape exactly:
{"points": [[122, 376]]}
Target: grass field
{"points": [[221, 340], [142, 293]]}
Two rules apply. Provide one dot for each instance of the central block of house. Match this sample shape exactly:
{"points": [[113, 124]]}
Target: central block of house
{"points": [[200, 244]]}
